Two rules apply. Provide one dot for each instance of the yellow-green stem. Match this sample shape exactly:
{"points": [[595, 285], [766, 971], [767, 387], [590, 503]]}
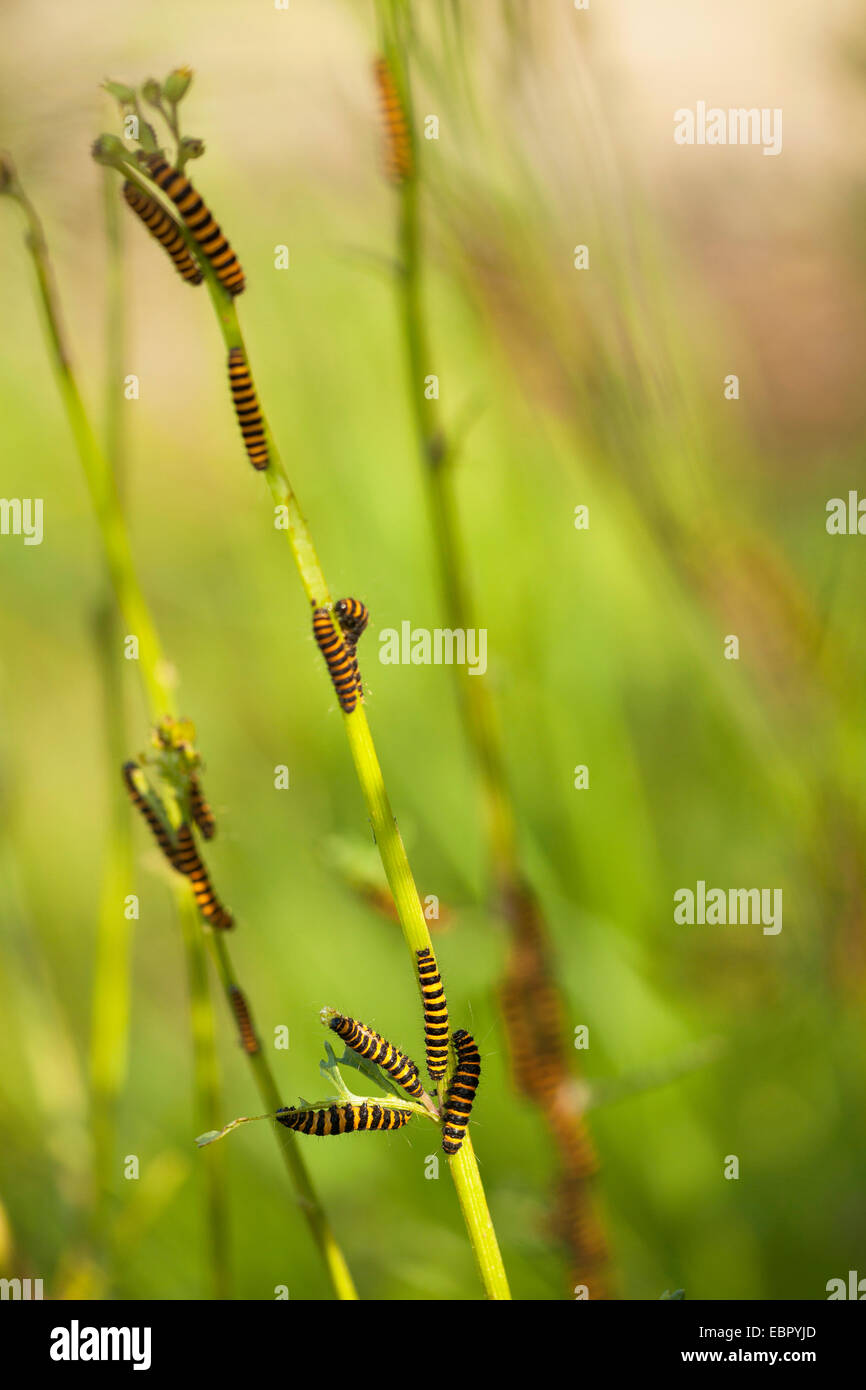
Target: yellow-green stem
{"points": [[109, 1038], [207, 1087], [287, 1143]]}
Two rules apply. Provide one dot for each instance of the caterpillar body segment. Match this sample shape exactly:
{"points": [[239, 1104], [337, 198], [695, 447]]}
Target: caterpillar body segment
{"points": [[247, 409], [165, 230], [375, 1048], [201, 811], [345, 1118], [141, 803], [435, 1013], [398, 160], [461, 1091], [200, 222], [246, 1031], [188, 862], [340, 661]]}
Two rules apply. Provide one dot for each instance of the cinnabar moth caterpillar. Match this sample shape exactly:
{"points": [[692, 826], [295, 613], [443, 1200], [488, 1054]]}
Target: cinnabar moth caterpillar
{"points": [[343, 1118], [200, 222], [398, 141], [161, 835], [247, 408], [165, 229], [461, 1091], [353, 617], [435, 1014], [201, 811], [340, 661], [249, 1041], [530, 1011], [188, 862], [373, 1046]]}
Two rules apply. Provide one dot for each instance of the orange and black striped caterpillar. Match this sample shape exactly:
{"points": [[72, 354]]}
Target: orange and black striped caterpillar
{"points": [[200, 222], [435, 1013], [398, 141], [353, 617], [160, 834], [247, 408], [187, 862], [340, 660], [165, 229], [373, 1046], [343, 1119], [240, 1008], [199, 808], [461, 1091]]}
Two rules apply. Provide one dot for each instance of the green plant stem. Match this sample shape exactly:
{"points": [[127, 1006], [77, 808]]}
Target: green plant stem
{"points": [[287, 1142], [154, 668], [464, 1168], [473, 694], [155, 671], [513, 897], [109, 1038], [206, 1086], [109, 1032]]}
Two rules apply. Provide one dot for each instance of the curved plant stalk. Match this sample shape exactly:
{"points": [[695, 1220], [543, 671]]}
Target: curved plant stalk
{"points": [[529, 984], [207, 1087], [463, 1165], [109, 1029], [157, 679]]}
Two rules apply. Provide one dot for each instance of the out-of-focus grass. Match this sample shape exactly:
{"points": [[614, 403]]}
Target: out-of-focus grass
{"points": [[604, 649]]}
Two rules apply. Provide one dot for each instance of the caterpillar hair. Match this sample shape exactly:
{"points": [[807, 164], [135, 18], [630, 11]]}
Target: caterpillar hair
{"points": [[366, 1043], [461, 1091], [398, 141], [435, 1014], [343, 1118], [188, 862], [249, 1041], [165, 229], [200, 222], [340, 661], [247, 408], [160, 834], [201, 811]]}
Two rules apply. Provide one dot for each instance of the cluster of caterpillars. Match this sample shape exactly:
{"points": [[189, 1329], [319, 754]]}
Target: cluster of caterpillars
{"points": [[346, 1117]]}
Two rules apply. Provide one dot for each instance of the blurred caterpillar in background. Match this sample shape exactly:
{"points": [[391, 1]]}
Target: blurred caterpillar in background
{"points": [[340, 661], [200, 221], [247, 408], [375, 1048], [435, 1013], [343, 1118], [249, 1041], [201, 811], [165, 229], [398, 140], [187, 862], [461, 1091]]}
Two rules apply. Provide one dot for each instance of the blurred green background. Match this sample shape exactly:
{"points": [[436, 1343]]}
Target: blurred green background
{"points": [[600, 387]]}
